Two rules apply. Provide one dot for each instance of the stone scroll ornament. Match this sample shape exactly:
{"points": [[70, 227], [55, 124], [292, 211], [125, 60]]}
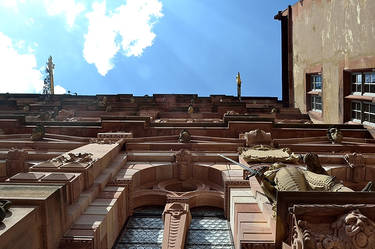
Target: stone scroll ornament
{"points": [[4, 207], [352, 230]]}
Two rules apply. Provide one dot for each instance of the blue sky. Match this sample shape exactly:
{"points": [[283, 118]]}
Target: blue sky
{"points": [[142, 46]]}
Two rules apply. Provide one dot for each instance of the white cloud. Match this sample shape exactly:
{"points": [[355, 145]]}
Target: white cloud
{"points": [[100, 46], [59, 89], [18, 72], [70, 8], [131, 22], [10, 4]]}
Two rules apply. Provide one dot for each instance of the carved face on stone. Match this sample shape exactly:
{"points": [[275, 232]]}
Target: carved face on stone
{"points": [[334, 135], [184, 137], [360, 229]]}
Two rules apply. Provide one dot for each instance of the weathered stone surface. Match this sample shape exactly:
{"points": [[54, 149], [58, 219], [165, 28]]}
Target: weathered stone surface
{"points": [[22, 228]]}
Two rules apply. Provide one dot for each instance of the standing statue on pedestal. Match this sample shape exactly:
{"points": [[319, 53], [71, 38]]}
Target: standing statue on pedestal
{"points": [[238, 79], [49, 87]]}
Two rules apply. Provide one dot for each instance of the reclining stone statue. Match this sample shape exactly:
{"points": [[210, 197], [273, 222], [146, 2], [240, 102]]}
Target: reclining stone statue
{"points": [[290, 178]]}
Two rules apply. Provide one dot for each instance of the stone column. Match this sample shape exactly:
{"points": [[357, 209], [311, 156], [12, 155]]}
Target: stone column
{"points": [[176, 217]]}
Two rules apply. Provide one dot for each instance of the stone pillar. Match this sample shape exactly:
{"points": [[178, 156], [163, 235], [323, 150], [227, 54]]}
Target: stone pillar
{"points": [[15, 162], [176, 217]]}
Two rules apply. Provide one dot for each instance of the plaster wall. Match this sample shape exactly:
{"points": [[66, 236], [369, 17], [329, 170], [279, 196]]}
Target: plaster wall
{"points": [[330, 36]]}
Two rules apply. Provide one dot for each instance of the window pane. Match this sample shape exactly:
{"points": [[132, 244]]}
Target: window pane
{"points": [[316, 82], [366, 107], [372, 108], [366, 117], [367, 88], [367, 78], [318, 85], [357, 83]]}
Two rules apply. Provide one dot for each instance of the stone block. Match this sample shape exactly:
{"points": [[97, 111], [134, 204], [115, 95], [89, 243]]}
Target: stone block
{"points": [[51, 203], [22, 229]]}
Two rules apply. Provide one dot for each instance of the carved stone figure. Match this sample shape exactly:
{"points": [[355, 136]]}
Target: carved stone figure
{"points": [[190, 109], [4, 207], [352, 230], [183, 162], [275, 110], [357, 167], [108, 108], [313, 164], [298, 179], [38, 133], [65, 115], [184, 136], [26, 108], [257, 137], [334, 135], [239, 82]]}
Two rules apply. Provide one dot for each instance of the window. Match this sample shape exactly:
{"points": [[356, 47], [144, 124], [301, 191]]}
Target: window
{"points": [[316, 103], [363, 112], [369, 84], [314, 92], [356, 111], [360, 96], [316, 82], [363, 83], [368, 112]]}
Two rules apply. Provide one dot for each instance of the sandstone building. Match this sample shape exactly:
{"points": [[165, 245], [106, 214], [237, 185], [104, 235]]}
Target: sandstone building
{"points": [[142, 172], [329, 59], [124, 171]]}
